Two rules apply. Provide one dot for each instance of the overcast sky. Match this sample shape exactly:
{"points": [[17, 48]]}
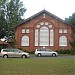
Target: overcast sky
{"points": [[61, 8]]}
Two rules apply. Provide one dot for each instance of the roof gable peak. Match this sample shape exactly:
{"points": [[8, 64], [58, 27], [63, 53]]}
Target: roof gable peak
{"points": [[43, 12]]}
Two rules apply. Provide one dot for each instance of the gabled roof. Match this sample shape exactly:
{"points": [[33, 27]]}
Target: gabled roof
{"points": [[3, 43], [39, 13]]}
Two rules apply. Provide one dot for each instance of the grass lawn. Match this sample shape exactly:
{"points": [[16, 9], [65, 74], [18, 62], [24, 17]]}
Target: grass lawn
{"points": [[37, 66]]}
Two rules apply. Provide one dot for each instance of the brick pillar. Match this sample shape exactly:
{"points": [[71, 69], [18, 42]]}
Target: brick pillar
{"points": [[56, 36]]}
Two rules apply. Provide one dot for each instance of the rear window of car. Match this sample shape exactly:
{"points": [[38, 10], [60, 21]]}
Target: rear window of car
{"points": [[5, 50]]}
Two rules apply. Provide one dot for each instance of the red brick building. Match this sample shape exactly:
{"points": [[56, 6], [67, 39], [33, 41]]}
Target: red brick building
{"points": [[43, 30]]}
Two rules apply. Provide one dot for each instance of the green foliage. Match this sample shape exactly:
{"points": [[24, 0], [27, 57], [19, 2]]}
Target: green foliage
{"points": [[72, 52], [72, 43], [11, 12], [71, 19], [64, 51]]}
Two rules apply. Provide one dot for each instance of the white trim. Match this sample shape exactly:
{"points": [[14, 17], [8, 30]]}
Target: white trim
{"points": [[27, 30], [65, 31], [36, 37], [23, 30], [60, 30], [51, 37], [62, 41], [44, 36], [25, 41]]}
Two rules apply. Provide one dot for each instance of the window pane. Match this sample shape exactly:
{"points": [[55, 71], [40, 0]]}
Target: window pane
{"points": [[11, 50], [46, 23], [25, 41], [51, 37], [62, 41], [60, 31], [36, 37], [23, 30], [42, 23], [44, 36], [50, 26], [65, 30], [27, 30]]}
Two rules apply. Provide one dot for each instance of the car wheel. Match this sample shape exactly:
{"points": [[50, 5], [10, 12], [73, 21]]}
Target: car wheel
{"points": [[23, 56], [39, 55], [53, 54], [5, 56]]}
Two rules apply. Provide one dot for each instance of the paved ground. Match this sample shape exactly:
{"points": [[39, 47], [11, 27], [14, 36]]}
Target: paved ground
{"points": [[60, 56]]}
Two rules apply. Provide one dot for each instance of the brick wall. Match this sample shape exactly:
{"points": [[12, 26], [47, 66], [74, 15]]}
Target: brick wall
{"points": [[31, 24]]}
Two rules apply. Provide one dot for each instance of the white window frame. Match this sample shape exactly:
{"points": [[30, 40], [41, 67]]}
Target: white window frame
{"points": [[60, 30], [25, 41], [62, 41], [65, 31], [44, 36], [36, 37], [23, 30], [27, 30], [51, 37]]}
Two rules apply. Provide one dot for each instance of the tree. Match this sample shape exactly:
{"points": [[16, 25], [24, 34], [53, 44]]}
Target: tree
{"points": [[11, 11], [2, 20], [71, 20], [2, 27], [72, 42]]}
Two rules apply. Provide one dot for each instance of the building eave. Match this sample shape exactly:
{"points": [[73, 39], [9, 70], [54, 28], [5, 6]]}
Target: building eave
{"points": [[3, 43]]}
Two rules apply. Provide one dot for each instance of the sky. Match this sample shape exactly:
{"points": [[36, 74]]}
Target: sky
{"points": [[61, 8]]}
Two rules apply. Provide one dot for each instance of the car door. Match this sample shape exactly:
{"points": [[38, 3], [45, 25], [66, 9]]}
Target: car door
{"points": [[17, 53], [43, 52], [48, 52], [10, 53]]}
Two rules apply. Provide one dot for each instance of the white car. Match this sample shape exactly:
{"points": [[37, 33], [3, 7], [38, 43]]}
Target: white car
{"points": [[45, 52], [5, 53]]}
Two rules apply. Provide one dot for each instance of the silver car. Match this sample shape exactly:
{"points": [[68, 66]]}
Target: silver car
{"points": [[5, 53], [45, 52]]}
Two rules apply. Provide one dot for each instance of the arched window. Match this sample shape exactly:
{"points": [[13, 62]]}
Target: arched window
{"points": [[44, 36], [62, 41], [25, 41]]}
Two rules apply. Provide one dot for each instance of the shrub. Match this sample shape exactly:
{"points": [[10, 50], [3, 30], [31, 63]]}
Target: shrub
{"points": [[32, 52], [64, 51], [72, 52]]}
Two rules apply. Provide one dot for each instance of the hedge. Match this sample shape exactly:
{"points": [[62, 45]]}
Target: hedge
{"points": [[66, 51]]}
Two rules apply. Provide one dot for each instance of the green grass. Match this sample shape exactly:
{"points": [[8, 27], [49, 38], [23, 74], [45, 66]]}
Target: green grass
{"points": [[37, 66]]}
